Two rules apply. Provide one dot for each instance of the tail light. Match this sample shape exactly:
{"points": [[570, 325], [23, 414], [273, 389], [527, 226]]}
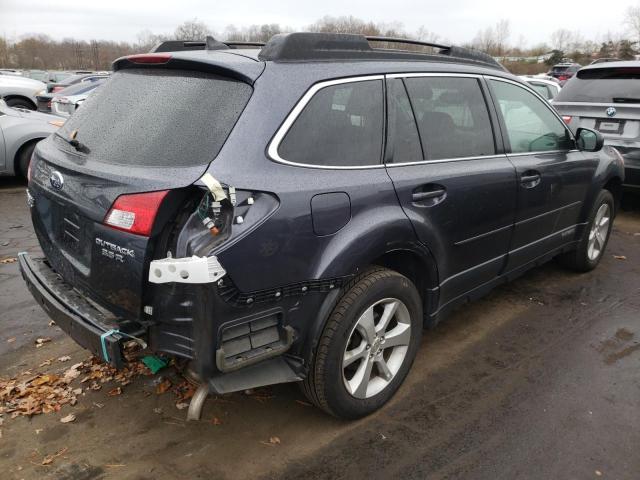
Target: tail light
{"points": [[149, 58], [135, 213], [567, 119], [562, 78], [57, 89]]}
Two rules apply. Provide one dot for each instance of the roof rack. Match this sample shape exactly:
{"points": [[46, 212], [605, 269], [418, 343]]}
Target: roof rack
{"points": [[345, 46], [306, 46], [209, 43]]}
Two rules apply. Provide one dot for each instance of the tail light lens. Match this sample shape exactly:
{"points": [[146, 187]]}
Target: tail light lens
{"points": [[135, 213], [562, 78], [57, 89], [149, 58], [567, 119]]}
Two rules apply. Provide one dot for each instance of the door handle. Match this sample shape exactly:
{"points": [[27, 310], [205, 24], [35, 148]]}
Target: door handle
{"points": [[530, 179], [421, 196]]}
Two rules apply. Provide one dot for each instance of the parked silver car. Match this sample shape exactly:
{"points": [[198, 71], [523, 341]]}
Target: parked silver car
{"points": [[67, 101], [20, 92], [549, 89], [20, 130], [606, 97]]}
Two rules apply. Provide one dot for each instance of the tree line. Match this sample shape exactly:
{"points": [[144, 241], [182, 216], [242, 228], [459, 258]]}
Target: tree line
{"points": [[42, 52]]}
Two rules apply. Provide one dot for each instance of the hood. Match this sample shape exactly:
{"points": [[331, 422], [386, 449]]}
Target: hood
{"points": [[27, 114]]}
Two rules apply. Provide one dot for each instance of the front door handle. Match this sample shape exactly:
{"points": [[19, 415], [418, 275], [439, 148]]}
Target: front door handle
{"points": [[530, 179]]}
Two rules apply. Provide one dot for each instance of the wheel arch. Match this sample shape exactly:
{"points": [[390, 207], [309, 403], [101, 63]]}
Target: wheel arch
{"points": [[614, 185], [20, 97], [16, 156]]}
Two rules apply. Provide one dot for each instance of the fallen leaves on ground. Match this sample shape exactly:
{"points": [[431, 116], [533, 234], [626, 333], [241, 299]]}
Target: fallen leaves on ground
{"points": [[8, 260], [163, 386], [65, 358], [216, 421], [11, 340], [619, 257], [41, 341], [48, 459], [68, 419], [32, 394], [273, 441]]}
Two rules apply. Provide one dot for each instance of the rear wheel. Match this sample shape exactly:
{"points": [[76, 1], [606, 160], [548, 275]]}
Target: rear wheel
{"points": [[24, 158], [592, 246], [20, 103], [367, 346]]}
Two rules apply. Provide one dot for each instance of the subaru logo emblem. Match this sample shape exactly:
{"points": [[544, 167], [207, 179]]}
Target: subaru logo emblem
{"points": [[56, 180], [611, 112]]}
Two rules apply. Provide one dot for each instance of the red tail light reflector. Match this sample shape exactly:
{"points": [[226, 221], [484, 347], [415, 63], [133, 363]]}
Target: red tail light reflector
{"points": [[567, 119], [57, 89], [135, 213]]}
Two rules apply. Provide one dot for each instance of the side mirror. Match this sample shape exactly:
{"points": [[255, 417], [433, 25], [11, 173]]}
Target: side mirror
{"points": [[589, 140]]}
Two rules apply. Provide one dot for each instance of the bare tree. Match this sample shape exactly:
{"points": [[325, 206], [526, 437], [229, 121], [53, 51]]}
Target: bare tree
{"points": [[502, 33], [192, 30], [632, 20], [560, 39]]}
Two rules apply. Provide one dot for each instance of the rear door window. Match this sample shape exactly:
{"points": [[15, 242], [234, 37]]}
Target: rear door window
{"points": [[158, 117], [452, 117], [342, 125], [531, 125]]}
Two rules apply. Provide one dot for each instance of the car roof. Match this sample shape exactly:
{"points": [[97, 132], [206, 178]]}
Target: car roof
{"points": [[610, 65]]}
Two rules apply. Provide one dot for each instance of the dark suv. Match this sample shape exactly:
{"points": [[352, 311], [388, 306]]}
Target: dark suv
{"points": [[299, 212]]}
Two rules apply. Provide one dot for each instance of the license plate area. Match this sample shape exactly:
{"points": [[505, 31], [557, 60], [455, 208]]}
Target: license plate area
{"points": [[615, 127]]}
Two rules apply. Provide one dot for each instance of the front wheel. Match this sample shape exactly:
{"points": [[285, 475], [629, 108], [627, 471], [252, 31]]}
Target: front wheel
{"points": [[594, 241], [367, 346]]}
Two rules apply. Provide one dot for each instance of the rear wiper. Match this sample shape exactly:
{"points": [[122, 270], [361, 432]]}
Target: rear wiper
{"points": [[72, 140]]}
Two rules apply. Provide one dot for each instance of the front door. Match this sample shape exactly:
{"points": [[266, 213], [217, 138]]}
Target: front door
{"points": [[553, 176], [453, 183]]}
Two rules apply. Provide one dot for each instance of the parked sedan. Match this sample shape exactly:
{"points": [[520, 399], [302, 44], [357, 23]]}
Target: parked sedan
{"points": [[20, 130], [45, 96], [67, 101], [564, 71], [19, 92], [549, 89], [606, 97]]}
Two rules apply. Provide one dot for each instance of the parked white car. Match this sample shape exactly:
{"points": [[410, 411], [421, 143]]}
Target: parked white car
{"points": [[544, 85], [20, 92]]}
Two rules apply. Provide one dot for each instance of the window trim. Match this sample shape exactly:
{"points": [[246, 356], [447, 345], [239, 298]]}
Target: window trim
{"points": [[546, 104], [274, 145]]}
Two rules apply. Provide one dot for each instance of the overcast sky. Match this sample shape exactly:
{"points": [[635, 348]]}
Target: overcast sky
{"points": [[455, 20]]}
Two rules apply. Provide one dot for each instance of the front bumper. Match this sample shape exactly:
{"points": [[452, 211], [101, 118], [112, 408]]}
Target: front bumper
{"points": [[74, 314]]}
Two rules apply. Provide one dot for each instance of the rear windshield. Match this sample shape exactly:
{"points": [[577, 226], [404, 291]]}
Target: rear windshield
{"points": [[158, 117], [559, 69], [603, 85]]}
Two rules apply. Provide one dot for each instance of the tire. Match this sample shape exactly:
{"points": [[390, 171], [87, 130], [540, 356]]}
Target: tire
{"points": [[592, 246], [20, 103], [336, 388], [24, 158]]}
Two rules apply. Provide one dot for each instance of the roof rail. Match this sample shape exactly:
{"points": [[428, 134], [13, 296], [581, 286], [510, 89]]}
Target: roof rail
{"points": [[344, 46], [305, 46], [209, 43]]}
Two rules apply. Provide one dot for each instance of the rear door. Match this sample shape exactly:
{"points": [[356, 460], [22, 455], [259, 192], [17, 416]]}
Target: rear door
{"points": [[148, 130], [452, 180], [553, 176]]}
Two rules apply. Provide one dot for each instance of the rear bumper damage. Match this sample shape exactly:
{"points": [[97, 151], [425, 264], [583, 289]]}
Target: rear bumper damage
{"points": [[89, 326], [247, 353]]}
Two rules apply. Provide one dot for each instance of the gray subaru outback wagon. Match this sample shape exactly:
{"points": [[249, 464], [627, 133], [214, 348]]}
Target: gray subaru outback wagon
{"points": [[299, 211]]}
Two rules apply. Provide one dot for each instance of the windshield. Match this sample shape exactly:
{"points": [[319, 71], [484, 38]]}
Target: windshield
{"points": [[158, 117], [603, 85]]}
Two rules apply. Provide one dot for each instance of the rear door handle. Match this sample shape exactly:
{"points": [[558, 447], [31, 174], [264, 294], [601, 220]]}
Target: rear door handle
{"points": [[530, 179]]}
